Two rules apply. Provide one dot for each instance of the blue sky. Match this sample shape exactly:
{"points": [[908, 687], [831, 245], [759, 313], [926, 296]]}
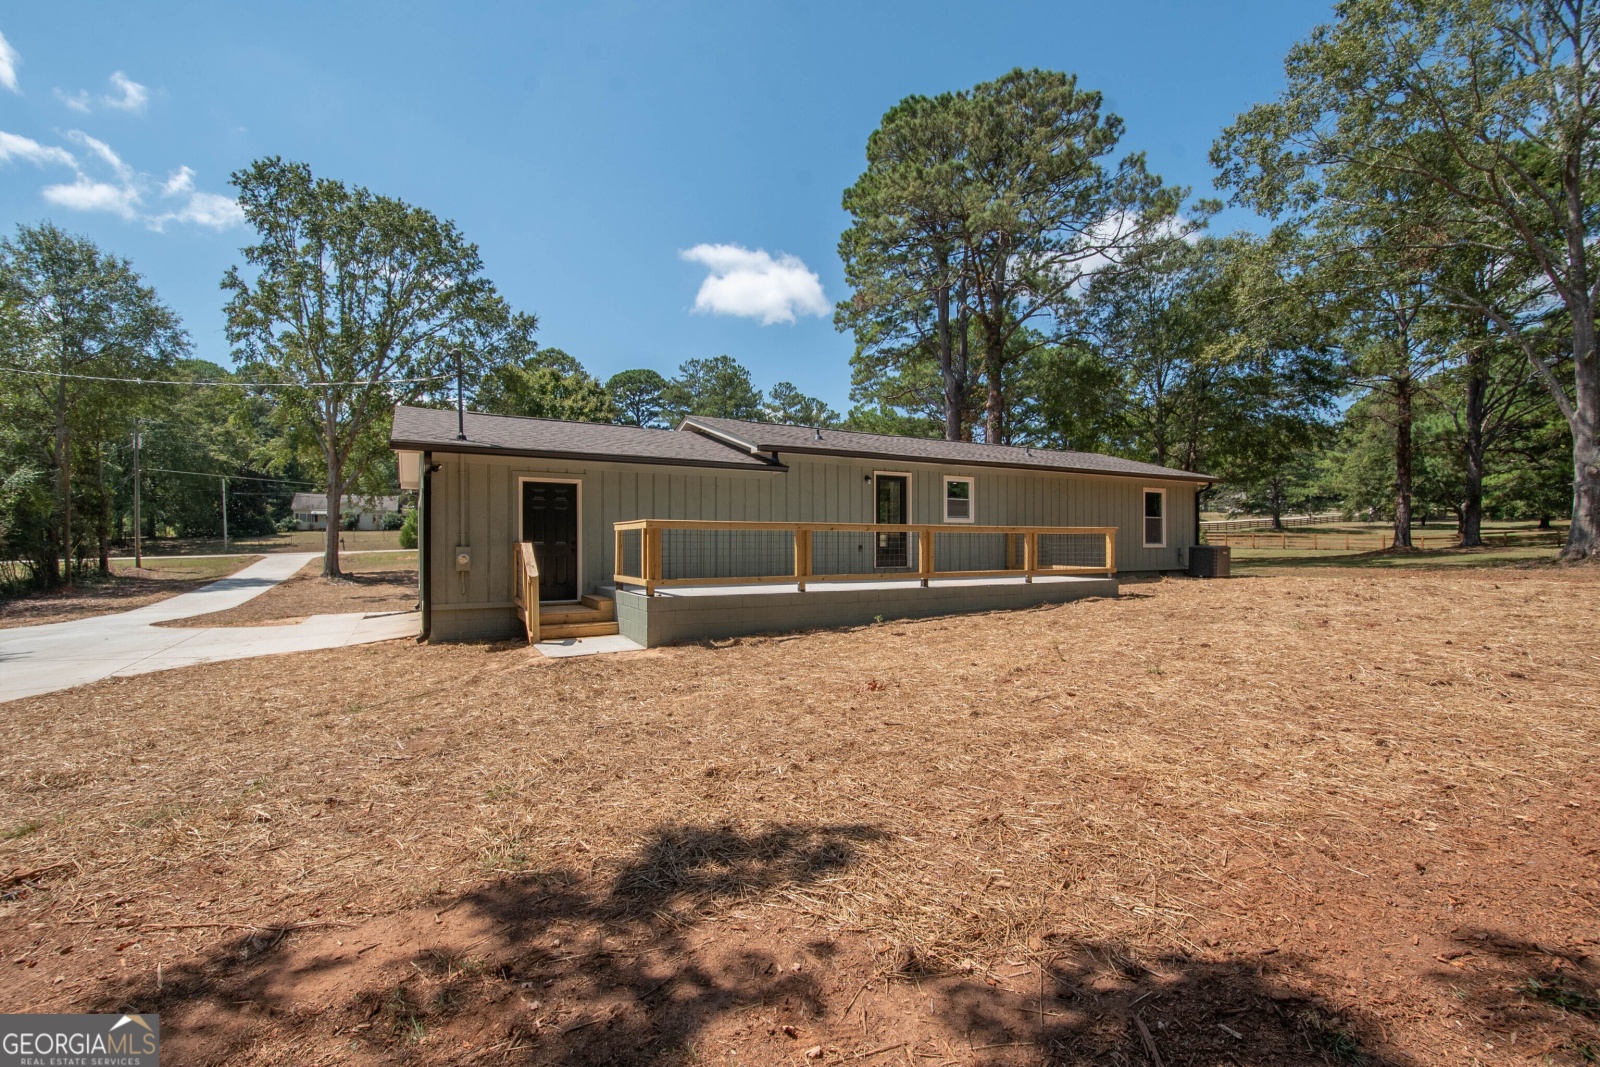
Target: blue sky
{"points": [[586, 148]]}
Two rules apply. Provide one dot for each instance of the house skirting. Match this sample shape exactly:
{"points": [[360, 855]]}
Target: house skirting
{"points": [[685, 614]]}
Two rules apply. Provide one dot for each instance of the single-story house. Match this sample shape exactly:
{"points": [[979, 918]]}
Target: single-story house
{"points": [[311, 510], [721, 527]]}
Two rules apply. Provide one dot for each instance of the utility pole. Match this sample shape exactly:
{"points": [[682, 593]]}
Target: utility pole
{"points": [[138, 528], [224, 514]]}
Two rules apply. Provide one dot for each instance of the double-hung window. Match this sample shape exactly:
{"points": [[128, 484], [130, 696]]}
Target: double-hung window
{"points": [[1155, 518], [957, 499]]}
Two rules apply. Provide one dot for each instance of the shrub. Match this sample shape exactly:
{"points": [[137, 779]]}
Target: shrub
{"points": [[408, 529]]}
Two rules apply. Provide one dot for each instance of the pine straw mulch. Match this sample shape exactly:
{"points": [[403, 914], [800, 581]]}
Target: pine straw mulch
{"points": [[373, 583], [1342, 817], [128, 587]]}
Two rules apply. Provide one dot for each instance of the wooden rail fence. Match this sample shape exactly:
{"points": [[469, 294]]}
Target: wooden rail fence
{"points": [[643, 561], [1230, 525], [1367, 542]]}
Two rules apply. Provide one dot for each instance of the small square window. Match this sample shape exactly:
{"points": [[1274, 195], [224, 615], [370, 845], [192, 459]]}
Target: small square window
{"points": [[1155, 518], [957, 499]]}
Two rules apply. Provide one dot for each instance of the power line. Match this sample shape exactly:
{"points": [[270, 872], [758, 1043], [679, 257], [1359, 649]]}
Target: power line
{"points": [[231, 477], [213, 383]]}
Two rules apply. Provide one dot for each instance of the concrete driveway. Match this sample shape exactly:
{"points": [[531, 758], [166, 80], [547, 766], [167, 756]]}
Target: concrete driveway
{"points": [[42, 659]]}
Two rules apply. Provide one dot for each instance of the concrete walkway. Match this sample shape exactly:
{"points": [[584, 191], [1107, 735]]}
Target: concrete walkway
{"points": [[59, 655]]}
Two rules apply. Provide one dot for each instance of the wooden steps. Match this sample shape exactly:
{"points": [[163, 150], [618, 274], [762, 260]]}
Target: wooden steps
{"points": [[593, 616]]}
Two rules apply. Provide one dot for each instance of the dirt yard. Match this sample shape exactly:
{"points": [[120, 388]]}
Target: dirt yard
{"points": [[374, 583], [1321, 817], [128, 587]]}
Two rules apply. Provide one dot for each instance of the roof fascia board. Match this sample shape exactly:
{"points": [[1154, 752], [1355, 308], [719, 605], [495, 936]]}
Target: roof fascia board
{"points": [[724, 437]]}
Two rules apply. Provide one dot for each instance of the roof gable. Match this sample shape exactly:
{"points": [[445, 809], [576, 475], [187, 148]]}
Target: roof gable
{"points": [[434, 429]]}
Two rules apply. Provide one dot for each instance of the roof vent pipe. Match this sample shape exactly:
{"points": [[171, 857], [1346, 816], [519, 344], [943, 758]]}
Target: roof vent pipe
{"points": [[819, 432]]}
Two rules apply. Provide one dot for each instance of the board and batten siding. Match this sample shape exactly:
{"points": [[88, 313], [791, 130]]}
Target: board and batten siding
{"points": [[476, 504]]}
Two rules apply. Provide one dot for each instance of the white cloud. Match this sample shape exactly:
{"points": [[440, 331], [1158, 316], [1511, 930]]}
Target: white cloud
{"points": [[179, 182], [86, 194], [211, 210], [8, 64], [753, 284], [103, 150], [78, 101], [13, 146], [131, 95], [122, 195]]}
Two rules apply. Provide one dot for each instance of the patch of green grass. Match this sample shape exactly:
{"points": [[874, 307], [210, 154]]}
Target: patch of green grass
{"points": [[1330, 1036], [1563, 996], [22, 829]]}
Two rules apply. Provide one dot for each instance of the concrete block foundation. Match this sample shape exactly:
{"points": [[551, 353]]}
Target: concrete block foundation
{"points": [[683, 614]]}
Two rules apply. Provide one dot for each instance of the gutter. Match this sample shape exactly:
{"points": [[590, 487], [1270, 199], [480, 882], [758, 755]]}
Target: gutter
{"points": [[425, 547]]}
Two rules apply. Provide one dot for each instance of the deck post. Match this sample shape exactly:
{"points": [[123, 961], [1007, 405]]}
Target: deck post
{"points": [[1111, 554], [802, 557], [650, 550], [925, 555], [1030, 555]]}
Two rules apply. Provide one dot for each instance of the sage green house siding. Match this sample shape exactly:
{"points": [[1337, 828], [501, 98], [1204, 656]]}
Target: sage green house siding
{"points": [[475, 504]]}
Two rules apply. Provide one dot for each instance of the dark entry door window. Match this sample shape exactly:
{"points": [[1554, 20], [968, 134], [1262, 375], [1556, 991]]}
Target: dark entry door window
{"points": [[550, 521], [893, 549]]}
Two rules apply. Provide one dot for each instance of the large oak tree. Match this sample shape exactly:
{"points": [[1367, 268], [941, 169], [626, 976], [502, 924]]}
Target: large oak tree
{"points": [[351, 302]]}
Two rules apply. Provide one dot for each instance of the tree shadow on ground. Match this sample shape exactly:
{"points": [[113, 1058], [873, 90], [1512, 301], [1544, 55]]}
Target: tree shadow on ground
{"points": [[666, 957], [1512, 986], [500, 963], [1101, 1003]]}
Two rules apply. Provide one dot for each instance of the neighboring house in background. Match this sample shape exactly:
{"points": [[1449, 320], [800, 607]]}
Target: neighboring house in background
{"points": [[311, 510], [723, 527]]}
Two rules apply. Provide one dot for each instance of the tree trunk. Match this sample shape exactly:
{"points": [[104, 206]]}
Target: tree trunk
{"points": [[1404, 416], [947, 370], [964, 370], [1583, 537], [64, 473], [330, 550], [1472, 491], [103, 525]]}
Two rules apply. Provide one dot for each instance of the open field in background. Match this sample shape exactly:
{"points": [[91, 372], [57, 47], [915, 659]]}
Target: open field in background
{"points": [[298, 541], [374, 583], [126, 589], [1336, 816], [1357, 545]]}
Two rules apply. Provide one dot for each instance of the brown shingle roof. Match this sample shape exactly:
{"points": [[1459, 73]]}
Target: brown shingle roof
{"points": [[773, 437], [434, 429]]}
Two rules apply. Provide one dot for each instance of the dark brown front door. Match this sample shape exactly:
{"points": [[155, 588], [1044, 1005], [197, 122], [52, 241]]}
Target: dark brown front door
{"points": [[550, 521]]}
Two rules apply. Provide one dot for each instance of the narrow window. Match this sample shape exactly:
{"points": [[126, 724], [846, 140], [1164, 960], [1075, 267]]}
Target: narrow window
{"points": [[957, 499], [1155, 518]]}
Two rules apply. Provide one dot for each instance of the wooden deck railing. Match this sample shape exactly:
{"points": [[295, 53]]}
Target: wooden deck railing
{"points": [[762, 554], [525, 573]]}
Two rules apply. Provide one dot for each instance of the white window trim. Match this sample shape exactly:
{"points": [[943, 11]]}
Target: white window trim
{"points": [[578, 563], [1147, 542], [972, 497]]}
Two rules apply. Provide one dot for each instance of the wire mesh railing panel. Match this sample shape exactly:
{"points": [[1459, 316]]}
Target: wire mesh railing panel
{"points": [[1072, 550], [631, 561], [961, 550], [836, 552], [688, 554]]}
